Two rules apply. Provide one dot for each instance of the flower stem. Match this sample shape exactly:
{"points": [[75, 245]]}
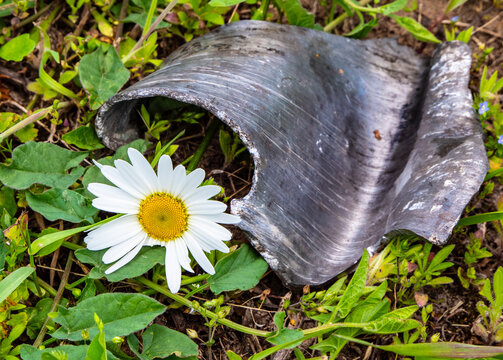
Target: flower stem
{"points": [[30, 119], [152, 27], [194, 279], [201, 310], [210, 133], [333, 24]]}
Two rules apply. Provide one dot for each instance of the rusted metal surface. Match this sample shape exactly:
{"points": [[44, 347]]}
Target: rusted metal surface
{"points": [[351, 139]]}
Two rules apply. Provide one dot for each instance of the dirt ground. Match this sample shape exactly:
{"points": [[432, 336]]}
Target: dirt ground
{"points": [[454, 311]]}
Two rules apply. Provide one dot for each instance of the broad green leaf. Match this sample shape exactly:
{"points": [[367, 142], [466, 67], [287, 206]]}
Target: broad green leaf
{"points": [[102, 74], [454, 4], [7, 200], [68, 205], [416, 29], [122, 314], [240, 270], [16, 49], [84, 137], [42, 163], [355, 288], [285, 336], [160, 342], [74, 352], [146, 259], [13, 280]]}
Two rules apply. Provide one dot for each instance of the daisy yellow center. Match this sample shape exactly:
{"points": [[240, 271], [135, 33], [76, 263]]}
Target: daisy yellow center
{"points": [[163, 216]]}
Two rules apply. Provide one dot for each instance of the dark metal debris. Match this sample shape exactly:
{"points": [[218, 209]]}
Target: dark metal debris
{"points": [[351, 139]]}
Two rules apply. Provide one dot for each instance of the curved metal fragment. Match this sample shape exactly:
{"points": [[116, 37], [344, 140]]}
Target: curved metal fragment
{"points": [[351, 139]]}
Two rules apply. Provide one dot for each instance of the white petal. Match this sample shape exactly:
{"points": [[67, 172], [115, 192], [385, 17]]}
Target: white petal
{"points": [[143, 169], [209, 228], [201, 193], [177, 181], [193, 180], [132, 176], [222, 218], [127, 258], [115, 205], [198, 253], [209, 243], [183, 254], [207, 207], [121, 249], [164, 172], [113, 232], [116, 178], [97, 164], [173, 271]]}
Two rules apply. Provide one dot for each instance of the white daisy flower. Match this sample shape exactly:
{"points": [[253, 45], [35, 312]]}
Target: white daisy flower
{"points": [[169, 209]]}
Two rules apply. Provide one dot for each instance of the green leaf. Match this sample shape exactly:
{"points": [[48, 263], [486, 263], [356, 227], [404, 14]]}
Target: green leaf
{"points": [[391, 326], [97, 348], [102, 74], [355, 288], [481, 218], [74, 352], [296, 14], [454, 4], [393, 7], [416, 29], [279, 319], [213, 18], [84, 137], [16, 49], [68, 205], [161, 342], [13, 280], [448, 350], [122, 314], [7, 200], [221, 3], [42, 163], [240, 270], [232, 355], [37, 316], [441, 280], [439, 257], [498, 287], [146, 259], [49, 239], [285, 336]]}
